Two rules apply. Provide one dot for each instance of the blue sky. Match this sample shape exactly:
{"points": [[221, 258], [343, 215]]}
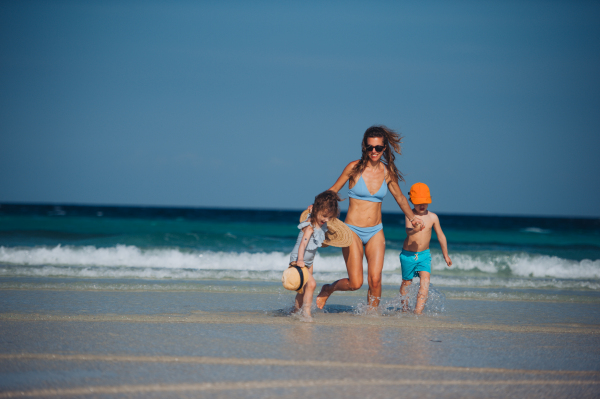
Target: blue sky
{"points": [[262, 104]]}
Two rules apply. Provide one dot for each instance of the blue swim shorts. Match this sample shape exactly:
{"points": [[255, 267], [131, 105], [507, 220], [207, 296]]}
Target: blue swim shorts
{"points": [[414, 262]]}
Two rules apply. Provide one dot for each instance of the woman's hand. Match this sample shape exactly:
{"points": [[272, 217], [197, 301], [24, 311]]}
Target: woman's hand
{"points": [[418, 223], [300, 263]]}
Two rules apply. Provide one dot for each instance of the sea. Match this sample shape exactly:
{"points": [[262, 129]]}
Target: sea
{"points": [[118, 301], [149, 249]]}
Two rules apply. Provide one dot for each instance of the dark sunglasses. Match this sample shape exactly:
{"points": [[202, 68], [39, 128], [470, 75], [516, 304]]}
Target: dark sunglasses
{"points": [[378, 148]]}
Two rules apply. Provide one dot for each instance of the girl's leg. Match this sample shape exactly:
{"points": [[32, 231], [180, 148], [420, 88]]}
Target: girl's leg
{"points": [[353, 255], [300, 297], [375, 251], [423, 292], [298, 303], [309, 290]]}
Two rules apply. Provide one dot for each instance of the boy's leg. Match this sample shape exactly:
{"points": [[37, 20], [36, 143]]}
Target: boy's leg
{"points": [[423, 292], [407, 265], [403, 292]]}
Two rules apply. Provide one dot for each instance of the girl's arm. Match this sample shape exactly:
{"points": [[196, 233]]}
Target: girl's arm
{"points": [[403, 204], [308, 230], [442, 239]]}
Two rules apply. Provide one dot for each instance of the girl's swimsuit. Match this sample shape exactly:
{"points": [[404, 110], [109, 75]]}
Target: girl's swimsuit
{"points": [[314, 242], [361, 192]]}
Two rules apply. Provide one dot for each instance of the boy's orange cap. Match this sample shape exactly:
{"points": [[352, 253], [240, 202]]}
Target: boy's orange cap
{"points": [[419, 194]]}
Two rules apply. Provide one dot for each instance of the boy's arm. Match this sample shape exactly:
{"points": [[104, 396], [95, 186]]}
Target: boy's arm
{"points": [[442, 239], [308, 230]]}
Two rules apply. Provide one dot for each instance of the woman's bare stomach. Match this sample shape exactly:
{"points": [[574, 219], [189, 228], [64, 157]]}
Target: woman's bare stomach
{"points": [[363, 213]]}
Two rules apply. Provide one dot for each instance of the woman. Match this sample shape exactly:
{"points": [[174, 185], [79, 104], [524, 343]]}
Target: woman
{"points": [[374, 173]]}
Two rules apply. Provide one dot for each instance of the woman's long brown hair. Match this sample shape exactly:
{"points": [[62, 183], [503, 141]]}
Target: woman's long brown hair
{"points": [[390, 139]]}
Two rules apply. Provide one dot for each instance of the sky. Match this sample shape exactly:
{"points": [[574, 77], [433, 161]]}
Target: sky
{"points": [[262, 104]]}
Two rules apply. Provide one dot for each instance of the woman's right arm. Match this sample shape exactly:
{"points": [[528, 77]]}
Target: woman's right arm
{"points": [[344, 177]]}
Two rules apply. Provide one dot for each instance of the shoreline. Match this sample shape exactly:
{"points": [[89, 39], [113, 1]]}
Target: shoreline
{"points": [[323, 319]]}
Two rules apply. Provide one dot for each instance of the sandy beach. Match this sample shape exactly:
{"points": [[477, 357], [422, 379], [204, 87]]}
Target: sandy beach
{"points": [[123, 344]]}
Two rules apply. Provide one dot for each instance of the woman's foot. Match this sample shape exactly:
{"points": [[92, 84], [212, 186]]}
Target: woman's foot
{"points": [[326, 291]]}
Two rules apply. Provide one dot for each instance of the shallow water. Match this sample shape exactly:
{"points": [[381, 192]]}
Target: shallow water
{"points": [[230, 296]]}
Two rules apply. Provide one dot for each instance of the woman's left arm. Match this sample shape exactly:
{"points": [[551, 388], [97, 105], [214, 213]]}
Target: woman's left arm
{"points": [[403, 203]]}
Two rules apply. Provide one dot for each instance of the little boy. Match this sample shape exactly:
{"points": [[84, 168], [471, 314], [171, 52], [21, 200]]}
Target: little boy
{"points": [[415, 258]]}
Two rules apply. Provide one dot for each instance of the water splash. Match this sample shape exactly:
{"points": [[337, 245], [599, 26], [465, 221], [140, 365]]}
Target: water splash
{"points": [[402, 304]]}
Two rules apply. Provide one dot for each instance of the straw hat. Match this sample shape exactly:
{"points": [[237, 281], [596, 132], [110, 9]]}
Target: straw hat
{"points": [[338, 234], [294, 278]]}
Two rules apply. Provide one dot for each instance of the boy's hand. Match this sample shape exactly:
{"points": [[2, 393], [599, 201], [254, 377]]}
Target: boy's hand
{"points": [[448, 260], [300, 263]]}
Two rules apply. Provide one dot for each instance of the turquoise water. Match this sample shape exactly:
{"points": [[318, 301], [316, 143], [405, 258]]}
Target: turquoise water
{"points": [[173, 249]]}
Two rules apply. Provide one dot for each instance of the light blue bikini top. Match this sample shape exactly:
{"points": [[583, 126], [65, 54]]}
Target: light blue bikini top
{"points": [[361, 192]]}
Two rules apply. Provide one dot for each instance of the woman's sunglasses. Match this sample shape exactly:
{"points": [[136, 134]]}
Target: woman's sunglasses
{"points": [[378, 148]]}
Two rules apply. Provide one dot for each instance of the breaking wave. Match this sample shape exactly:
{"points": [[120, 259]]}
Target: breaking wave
{"points": [[484, 269]]}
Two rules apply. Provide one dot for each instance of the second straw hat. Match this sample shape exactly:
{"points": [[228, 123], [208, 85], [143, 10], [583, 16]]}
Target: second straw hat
{"points": [[338, 234], [294, 278]]}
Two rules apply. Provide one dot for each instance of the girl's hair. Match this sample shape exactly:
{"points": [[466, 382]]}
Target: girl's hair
{"points": [[390, 139], [326, 203]]}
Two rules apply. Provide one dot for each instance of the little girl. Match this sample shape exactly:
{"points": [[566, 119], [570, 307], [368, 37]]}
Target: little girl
{"points": [[309, 239]]}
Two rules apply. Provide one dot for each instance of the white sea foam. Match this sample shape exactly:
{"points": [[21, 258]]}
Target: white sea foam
{"points": [[485, 269], [134, 257], [521, 264]]}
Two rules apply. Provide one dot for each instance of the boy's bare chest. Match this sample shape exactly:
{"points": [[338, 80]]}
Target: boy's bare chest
{"points": [[428, 224]]}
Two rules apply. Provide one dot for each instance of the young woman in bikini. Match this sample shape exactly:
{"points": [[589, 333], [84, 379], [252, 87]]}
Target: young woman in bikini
{"points": [[370, 179]]}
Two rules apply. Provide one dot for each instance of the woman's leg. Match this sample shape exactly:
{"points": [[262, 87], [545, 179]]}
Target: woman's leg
{"points": [[375, 251], [353, 255]]}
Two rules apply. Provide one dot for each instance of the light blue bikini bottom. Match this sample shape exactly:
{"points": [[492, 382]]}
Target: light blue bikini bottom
{"points": [[366, 233]]}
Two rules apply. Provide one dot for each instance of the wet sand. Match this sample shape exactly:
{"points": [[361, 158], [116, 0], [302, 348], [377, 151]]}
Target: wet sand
{"points": [[168, 344]]}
